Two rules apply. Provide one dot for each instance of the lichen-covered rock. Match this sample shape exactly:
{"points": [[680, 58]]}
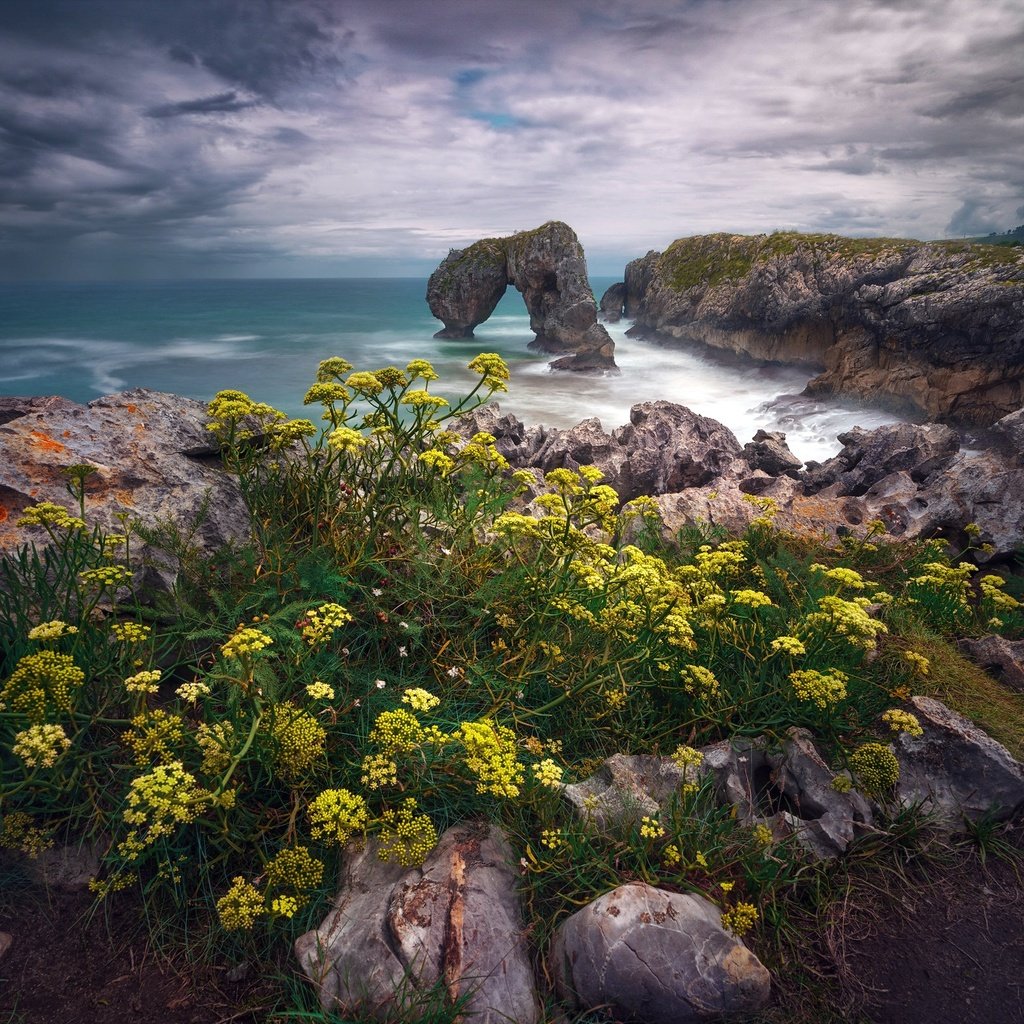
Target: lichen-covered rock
{"points": [[154, 460], [644, 954], [954, 770], [548, 267], [938, 327], [396, 934]]}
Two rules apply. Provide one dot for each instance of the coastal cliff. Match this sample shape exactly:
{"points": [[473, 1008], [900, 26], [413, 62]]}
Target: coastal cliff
{"points": [[936, 328], [548, 266]]}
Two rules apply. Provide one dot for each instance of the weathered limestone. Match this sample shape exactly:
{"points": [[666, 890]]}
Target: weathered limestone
{"points": [[548, 267], [395, 935], [937, 327], [1000, 657], [154, 460], [659, 957]]}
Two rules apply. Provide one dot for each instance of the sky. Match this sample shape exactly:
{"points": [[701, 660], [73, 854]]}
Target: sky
{"points": [[317, 138]]}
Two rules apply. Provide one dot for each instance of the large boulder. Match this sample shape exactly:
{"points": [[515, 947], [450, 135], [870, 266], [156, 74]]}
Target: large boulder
{"points": [[644, 954], [396, 936], [154, 459], [548, 267], [935, 327]]}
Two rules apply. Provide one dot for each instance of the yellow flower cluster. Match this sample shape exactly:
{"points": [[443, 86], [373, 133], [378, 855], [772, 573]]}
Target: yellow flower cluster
{"points": [[245, 641], [548, 773], [491, 757], [953, 581], [345, 439], [493, 369], [285, 906], [39, 746], [42, 681], [992, 592], [438, 461], [320, 623], [420, 368], [241, 906], [332, 368], [294, 870], [790, 645], [379, 771], [700, 682], [848, 619], [300, 740], [193, 691], [327, 393], [689, 760], [849, 578], [672, 855], [19, 832], [131, 632], [763, 835], [405, 836], [46, 513], [551, 838], [650, 828], [320, 691], [336, 814], [216, 741], [111, 576], [423, 399], [157, 804], [419, 699], [52, 630], [824, 689], [903, 721], [397, 731], [365, 383], [752, 599], [740, 918], [154, 736], [876, 767], [144, 682], [229, 407], [918, 662]]}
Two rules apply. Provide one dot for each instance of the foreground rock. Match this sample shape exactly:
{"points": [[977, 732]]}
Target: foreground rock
{"points": [[937, 327], [649, 955], [395, 935], [154, 460], [955, 771], [548, 267], [999, 657]]}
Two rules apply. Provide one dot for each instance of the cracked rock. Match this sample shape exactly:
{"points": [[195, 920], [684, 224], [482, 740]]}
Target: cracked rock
{"points": [[644, 954]]}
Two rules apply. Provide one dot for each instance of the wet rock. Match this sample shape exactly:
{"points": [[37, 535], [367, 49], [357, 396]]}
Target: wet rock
{"points": [[644, 954], [870, 455], [154, 460], [999, 657], [548, 267], [955, 770], [395, 934], [769, 453], [612, 302]]}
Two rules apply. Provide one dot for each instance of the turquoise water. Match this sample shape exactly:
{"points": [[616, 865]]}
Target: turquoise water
{"points": [[195, 338]]}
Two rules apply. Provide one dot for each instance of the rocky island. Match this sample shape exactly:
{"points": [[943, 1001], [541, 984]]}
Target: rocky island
{"points": [[548, 267], [932, 328]]}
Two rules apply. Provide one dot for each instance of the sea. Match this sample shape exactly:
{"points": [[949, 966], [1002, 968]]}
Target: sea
{"points": [[266, 337]]}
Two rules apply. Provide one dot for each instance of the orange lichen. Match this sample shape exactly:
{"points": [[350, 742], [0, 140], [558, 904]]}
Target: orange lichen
{"points": [[45, 442]]}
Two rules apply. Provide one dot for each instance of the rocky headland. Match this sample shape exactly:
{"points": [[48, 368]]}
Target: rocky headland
{"points": [[933, 328], [548, 266]]}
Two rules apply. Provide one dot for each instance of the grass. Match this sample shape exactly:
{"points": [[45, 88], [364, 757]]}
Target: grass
{"points": [[404, 645]]}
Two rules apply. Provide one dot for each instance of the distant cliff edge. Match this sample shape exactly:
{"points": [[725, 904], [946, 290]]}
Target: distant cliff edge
{"points": [[934, 327], [548, 266]]}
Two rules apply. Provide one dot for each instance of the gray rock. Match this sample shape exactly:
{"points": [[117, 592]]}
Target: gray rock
{"points": [[769, 453], [1011, 427], [154, 460], [612, 302], [998, 656], [394, 933], [548, 266], [955, 770], [69, 868], [648, 955]]}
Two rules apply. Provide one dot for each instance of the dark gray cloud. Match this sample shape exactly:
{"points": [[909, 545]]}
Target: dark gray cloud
{"points": [[300, 136]]}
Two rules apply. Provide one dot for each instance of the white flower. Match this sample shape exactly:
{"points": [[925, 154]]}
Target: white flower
{"points": [[376, 591], [380, 684], [402, 652], [454, 672], [446, 551], [403, 625]]}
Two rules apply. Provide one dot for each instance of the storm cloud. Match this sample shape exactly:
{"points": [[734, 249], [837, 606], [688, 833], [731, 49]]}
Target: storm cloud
{"points": [[306, 137]]}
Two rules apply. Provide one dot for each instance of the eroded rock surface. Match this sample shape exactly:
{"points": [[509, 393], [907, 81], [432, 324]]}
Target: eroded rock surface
{"points": [[649, 955], [548, 267], [937, 327], [154, 460], [395, 934], [1000, 657]]}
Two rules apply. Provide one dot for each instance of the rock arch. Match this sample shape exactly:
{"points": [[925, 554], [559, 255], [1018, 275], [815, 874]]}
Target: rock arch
{"points": [[548, 267]]}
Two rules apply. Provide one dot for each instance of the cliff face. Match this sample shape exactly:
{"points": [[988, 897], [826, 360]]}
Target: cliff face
{"points": [[548, 267], [936, 327]]}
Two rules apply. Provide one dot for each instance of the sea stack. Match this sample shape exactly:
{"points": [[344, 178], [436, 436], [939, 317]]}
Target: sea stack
{"points": [[548, 266]]}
